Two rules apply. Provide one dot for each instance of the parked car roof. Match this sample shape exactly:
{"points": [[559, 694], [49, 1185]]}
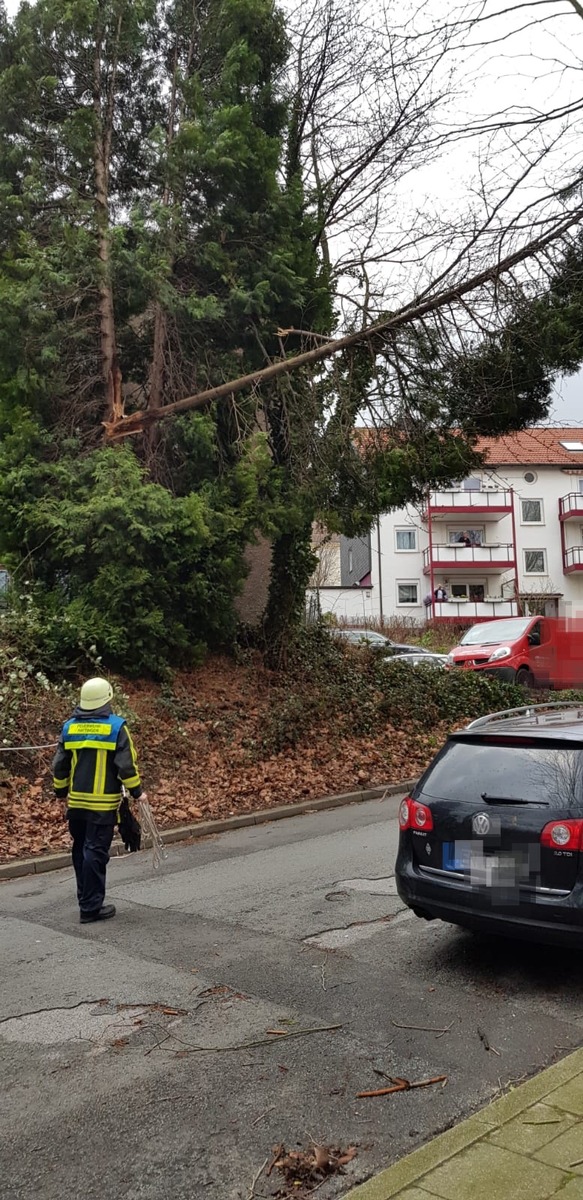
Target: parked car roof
{"points": [[421, 658], [357, 635], [558, 720]]}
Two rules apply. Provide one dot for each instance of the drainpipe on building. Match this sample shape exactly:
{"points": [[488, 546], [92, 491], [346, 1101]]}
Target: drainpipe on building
{"points": [[516, 583], [431, 571], [379, 564]]}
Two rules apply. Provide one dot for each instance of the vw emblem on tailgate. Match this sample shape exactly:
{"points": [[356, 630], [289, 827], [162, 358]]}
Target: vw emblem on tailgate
{"points": [[481, 824]]}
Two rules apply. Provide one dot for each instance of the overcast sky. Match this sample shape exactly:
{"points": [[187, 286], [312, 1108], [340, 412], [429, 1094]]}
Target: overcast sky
{"points": [[525, 72]]}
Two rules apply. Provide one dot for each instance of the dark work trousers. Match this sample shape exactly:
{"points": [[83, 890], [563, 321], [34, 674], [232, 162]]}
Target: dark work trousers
{"points": [[91, 842]]}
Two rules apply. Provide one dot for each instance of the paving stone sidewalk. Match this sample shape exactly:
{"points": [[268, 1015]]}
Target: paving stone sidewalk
{"points": [[526, 1146]]}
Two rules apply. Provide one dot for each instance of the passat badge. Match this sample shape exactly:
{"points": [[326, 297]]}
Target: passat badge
{"points": [[481, 824]]}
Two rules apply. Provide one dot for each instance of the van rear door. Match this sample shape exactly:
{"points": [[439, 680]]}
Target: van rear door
{"points": [[542, 652]]}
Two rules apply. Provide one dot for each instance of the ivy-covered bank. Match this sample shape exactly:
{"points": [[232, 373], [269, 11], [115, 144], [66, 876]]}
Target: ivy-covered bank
{"points": [[232, 735]]}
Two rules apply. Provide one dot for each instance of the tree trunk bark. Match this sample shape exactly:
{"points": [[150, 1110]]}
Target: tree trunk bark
{"points": [[292, 565], [157, 369], [111, 372]]}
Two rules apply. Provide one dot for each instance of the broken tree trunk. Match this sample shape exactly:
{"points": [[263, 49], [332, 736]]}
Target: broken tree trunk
{"points": [[375, 334]]}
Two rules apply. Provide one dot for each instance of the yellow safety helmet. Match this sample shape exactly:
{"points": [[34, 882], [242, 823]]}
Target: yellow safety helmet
{"points": [[95, 693]]}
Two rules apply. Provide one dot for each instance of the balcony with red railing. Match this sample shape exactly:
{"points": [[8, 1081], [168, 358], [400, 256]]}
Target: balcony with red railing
{"points": [[492, 558], [489, 504], [571, 507], [470, 612], [573, 560]]}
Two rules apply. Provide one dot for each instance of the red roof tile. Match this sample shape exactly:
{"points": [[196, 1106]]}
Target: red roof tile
{"points": [[540, 446]]}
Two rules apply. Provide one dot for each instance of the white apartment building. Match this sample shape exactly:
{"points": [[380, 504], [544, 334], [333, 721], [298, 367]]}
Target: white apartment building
{"points": [[506, 541]]}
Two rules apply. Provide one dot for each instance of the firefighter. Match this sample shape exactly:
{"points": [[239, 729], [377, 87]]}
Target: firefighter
{"points": [[94, 758]]}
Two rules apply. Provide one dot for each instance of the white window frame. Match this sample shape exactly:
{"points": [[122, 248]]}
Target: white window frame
{"points": [[457, 584], [532, 500], [350, 561], [408, 583], [408, 549], [535, 550], [463, 583]]}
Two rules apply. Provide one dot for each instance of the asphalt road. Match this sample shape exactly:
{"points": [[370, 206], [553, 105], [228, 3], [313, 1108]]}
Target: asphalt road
{"points": [[287, 926]]}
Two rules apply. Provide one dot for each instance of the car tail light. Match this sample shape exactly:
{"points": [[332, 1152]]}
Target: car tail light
{"points": [[563, 835], [413, 815]]}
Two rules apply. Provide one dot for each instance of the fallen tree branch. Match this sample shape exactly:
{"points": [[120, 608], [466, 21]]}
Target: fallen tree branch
{"points": [[486, 1042], [401, 1085], [267, 1041], [138, 421], [424, 1028], [262, 1116], [255, 1180]]}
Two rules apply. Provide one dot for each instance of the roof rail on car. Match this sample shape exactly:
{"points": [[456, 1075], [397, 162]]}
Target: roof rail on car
{"points": [[559, 711]]}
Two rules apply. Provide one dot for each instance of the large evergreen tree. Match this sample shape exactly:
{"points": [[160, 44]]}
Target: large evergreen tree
{"points": [[158, 237], [149, 242]]}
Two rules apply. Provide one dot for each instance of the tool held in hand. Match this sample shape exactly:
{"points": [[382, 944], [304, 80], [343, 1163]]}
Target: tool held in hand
{"points": [[151, 832], [130, 830]]}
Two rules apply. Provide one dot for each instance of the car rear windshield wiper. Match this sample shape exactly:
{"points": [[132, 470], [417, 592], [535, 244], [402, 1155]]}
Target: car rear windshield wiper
{"points": [[512, 800]]}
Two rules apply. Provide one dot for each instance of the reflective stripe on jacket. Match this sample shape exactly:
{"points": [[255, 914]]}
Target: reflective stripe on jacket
{"points": [[94, 758]]}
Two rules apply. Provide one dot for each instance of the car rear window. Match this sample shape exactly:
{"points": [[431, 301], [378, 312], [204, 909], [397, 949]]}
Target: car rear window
{"points": [[549, 773]]}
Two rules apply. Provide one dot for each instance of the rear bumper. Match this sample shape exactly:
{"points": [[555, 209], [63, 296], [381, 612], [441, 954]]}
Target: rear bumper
{"points": [[547, 919]]}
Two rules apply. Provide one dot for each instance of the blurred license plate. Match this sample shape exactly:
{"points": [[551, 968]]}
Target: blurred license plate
{"points": [[485, 870], [456, 856]]}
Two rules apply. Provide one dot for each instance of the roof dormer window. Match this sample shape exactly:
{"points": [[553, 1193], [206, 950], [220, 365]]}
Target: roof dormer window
{"points": [[572, 445]]}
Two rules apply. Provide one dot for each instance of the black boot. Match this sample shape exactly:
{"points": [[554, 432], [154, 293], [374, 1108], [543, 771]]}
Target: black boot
{"points": [[100, 914]]}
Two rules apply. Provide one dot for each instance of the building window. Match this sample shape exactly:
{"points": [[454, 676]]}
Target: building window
{"points": [[573, 446], [465, 537], [530, 476], [468, 591], [532, 512], [581, 485], [472, 484], [535, 562], [407, 593], [406, 539], [350, 562]]}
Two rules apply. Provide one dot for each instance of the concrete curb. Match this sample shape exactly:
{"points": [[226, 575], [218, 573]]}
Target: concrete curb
{"points": [[409, 1172], [56, 862]]}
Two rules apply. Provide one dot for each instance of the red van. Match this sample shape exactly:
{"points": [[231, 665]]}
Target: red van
{"points": [[534, 651]]}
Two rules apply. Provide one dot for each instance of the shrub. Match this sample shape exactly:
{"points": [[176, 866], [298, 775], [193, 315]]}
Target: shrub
{"points": [[355, 692], [119, 563], [426, 695]]}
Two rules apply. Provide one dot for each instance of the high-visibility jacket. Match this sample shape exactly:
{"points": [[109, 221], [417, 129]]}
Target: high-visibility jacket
{"points": [[94, 758]]}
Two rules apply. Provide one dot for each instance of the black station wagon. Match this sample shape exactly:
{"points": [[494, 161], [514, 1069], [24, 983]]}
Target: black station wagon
{"points": [[491, 837]]}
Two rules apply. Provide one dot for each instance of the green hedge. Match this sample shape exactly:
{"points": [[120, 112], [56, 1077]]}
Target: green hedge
{"points": [[357, 692], [426, 694]]}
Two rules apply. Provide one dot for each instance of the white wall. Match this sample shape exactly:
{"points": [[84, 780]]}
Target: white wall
{"points": [[349, 604]]}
